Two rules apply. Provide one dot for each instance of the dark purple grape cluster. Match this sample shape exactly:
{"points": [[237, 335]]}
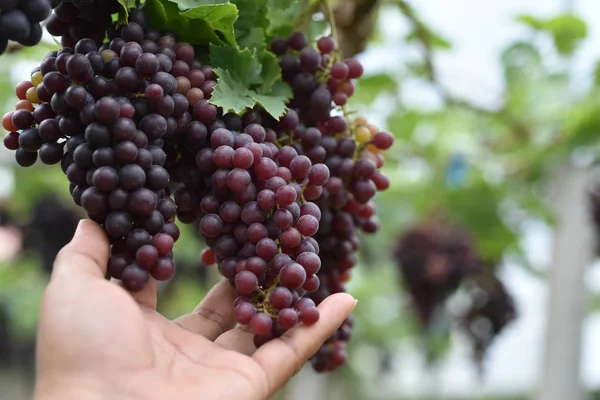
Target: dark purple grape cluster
{"points": [[434, 259], [20, 21], [74, 20], [105, 115], [491, 309]]}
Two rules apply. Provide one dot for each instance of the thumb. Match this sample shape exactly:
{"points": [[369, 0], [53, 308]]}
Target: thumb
{"points": [[86, 255]]}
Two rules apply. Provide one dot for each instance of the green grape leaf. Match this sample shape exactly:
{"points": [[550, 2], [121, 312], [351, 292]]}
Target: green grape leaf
{"points": [[231, 93], [251, 26], [187, 4], [271, 72], [243, 65], [275, 102], [282, 14], [197, 22], [220, 17], [126, 5], [255, 39]]}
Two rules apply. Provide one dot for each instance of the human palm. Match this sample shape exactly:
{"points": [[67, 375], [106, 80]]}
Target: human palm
{"points": [[96, 341]]}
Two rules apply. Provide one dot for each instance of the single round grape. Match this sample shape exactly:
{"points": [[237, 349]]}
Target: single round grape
{"points": [[24, 158], [355, 68], [230, 211], [238, 180], [211, 225], [383, 140], [116, 265], [30, 140], [142, 202], [280, 297], [292, 276], [51, 153], [252, 213], [106, 179], [326, 44], [309, 315], [221, 137], [104, 156], [135, 278], [137, 238], [265, 169], [266, 248], [171, 229], [243, 158], [132, 177], [312, 284], [246, 282], [164, 269], [244, 312], [157, 178], [208, 257], [286, 195], [118, 224], [22, 119], [287, 318], [261, 323], [147, 256], [307, 225], [163, 243], [310, 261]]}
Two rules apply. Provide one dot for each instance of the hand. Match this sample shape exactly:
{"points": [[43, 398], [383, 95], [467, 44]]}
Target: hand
{"points": [[97, 341]]}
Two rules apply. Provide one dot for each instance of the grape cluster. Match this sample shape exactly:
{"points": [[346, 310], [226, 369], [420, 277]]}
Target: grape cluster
{"points": [[351, 150], [104, 116], [434, 259], [491, 309], [74, 20], [20, 21], [279, 203]]}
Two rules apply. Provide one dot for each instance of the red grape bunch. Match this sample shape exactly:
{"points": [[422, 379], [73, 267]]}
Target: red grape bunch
{"points": [[20, 21], [434, 259], [351, 149]]}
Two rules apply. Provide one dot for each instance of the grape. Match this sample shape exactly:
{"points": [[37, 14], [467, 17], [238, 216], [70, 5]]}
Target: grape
{"points": [[135, 278], [308, 315], [281, 298], [164, 269], [293, 276], [118, 224], [261, 324], [244, 313], [287, 318], [246, 282]]}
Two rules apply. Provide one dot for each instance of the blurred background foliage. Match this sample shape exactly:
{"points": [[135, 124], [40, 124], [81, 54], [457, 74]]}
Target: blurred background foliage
{"points": [[484, 169]]}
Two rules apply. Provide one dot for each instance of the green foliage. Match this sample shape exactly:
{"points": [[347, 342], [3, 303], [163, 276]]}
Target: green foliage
{"points": [[566, 30]]}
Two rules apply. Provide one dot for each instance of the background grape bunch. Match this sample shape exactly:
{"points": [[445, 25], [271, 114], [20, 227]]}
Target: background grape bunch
{"points": [[127, 112], [20, 21], [434, 259]]}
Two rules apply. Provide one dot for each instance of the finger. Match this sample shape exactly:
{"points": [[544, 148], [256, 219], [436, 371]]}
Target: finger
{"points": [[86, 255], [214, 315], [281, 358], [239, 339]]}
